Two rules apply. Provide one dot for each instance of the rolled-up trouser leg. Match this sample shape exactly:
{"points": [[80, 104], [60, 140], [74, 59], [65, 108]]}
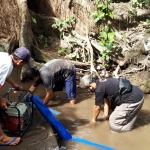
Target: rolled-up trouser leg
{"points": [[124, 116]]}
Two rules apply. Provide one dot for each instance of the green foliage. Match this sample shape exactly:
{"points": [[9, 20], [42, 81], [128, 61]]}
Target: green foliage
{"points": [[106, 34], [118, 1], [148, 24], [132, 11], [33, 20], [140, 3], [102, 12], [41, 37], [74, 55], [135, 3], [148, 21], [106, 39], [64, 25], [63, 52], [23, 13], [45, 43], [145, 3]]}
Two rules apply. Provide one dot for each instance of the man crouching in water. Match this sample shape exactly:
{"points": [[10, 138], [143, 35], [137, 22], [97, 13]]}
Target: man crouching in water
{"points": [[125, 107], [55, 74]]}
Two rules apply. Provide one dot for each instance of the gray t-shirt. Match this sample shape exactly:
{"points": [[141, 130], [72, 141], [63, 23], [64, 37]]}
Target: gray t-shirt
{"points": [[55, 71]]}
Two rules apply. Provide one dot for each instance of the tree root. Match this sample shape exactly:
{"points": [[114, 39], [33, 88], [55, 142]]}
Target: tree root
{"points": [[92, 69], [115, 73], [133, 70], [39, 55]]}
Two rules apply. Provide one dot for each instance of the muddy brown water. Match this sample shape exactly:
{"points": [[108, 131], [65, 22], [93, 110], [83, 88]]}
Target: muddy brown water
{"points": [[77, 120]]}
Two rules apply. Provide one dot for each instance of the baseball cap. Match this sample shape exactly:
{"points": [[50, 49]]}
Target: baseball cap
{"points": [[23, 54]]}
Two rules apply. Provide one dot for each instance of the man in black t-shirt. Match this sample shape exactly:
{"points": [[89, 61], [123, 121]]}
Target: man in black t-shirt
{"points": [[54, 75], [126, 107]]}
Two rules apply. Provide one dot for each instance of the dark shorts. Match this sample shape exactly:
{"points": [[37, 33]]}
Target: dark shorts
{"points": [[59, 86], [69, 84]]}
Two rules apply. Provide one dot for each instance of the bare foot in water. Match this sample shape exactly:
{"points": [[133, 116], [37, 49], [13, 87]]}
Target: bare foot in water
{"points": [[6, 140]]}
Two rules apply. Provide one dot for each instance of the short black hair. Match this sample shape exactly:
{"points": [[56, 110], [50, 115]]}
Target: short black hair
{"points": [[30, 74]]}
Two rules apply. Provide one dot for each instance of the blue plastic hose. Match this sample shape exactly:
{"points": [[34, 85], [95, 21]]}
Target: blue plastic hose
{"points": [[55, 123], [86, 142], [48, 115]]}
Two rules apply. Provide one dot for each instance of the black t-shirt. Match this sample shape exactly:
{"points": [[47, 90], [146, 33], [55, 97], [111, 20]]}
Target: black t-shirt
{"points": [[106, 88]]}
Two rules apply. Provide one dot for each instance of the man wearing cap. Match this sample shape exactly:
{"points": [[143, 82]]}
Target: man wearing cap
{"points": [[125, 108], [17, 59], [55, 75]]}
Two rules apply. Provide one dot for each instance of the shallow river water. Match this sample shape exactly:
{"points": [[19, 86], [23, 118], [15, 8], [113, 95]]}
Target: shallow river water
{"points": [[77, 120]]}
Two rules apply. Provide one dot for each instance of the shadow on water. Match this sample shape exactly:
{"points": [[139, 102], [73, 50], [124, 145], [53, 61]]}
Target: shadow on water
{"points": [[143, 119]]}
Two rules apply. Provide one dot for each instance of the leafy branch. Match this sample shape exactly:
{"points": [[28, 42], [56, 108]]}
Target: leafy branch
{"points": [[64, 25]]}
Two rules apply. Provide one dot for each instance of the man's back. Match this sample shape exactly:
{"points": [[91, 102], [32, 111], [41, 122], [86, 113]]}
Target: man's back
{"points": [[56, 70]]}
